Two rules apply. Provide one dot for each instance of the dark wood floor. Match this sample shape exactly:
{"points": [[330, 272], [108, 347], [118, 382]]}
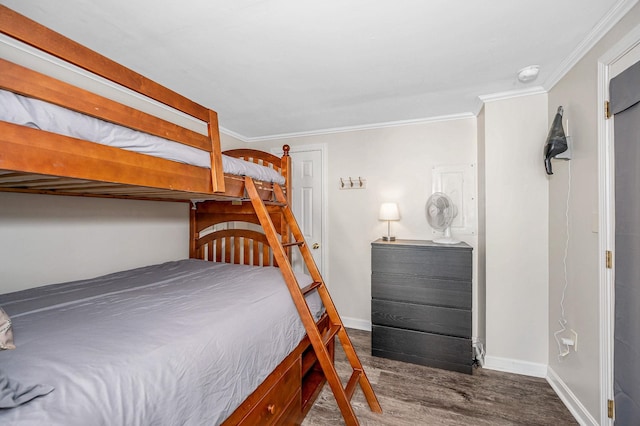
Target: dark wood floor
{"points": [[415, 395]]}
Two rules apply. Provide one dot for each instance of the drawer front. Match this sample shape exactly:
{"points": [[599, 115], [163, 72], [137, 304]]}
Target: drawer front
{"points": [[433, 319], [434, 350], [434, 262], [278, 400], [421, 290], [292, 413]]}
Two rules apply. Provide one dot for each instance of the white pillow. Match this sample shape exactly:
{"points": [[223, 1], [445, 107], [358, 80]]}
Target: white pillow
{"points": [[6, 332]]}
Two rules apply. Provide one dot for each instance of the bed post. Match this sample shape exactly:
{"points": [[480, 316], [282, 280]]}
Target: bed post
{"points": [[285, 170], [193, 232], [217, 173]]}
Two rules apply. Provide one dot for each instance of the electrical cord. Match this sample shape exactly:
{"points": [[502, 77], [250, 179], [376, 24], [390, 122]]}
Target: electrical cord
{"points": [[562, 352]]}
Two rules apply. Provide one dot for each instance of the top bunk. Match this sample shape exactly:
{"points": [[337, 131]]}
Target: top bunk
{"points": [[59, 138]]}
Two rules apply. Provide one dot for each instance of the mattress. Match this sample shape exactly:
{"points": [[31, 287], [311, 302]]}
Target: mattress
{"points": [[177, 343], [42, 115]]}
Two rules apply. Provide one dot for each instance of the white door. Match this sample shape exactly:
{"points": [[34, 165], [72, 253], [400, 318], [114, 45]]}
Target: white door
{"points": [[626, 342], [623, 55], [307, 202]]}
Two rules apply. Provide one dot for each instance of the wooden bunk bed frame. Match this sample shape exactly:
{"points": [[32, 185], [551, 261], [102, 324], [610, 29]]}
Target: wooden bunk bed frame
{"points": [[33, 160], [37, 161]]}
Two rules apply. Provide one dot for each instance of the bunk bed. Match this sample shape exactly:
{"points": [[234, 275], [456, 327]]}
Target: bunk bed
{"points": [[38, 155]]}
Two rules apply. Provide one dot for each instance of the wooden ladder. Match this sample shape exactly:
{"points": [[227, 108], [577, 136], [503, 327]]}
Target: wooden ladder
{"points": [[342, 394]]}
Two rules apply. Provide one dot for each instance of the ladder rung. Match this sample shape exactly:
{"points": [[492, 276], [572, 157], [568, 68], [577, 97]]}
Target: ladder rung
{"points": [[308, 360], [333, 330], [275, 203], [295, 243], [352, 383], [310, 287]]}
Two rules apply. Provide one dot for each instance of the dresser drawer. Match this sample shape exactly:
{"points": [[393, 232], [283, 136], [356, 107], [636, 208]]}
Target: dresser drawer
{"points": [[279, 401], [433, 350], [449, 263], [432, 319], [421, 290]]}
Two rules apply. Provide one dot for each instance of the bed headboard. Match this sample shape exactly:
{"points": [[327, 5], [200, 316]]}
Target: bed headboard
{"points": [[239, 246]]}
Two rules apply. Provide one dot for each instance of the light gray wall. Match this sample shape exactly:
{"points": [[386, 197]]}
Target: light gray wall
{"points": [[516, 211], [577, 92], [46, 239]]}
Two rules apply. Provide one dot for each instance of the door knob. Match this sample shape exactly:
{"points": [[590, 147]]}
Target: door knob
{"points": [[315, 246]]}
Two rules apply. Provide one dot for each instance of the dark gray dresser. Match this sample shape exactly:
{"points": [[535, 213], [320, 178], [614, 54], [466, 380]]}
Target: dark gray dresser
{"points": [[421, 303]]}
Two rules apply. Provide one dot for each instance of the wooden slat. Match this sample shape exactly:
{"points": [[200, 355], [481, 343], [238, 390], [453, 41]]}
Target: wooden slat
{"points": [[308, 289], [295, 243], [256, 253], [36, 151], [247, 251], [236, 251], [258, 157], [265, 256], [227, 250], [219, 250], [331, 333], [352, 383]]}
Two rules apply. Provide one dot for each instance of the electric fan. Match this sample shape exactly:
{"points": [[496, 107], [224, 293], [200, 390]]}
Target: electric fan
{"points": [[440, 213]]}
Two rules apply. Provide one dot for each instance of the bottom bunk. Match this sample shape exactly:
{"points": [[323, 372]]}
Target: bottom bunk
{"points": [[186, 342], [277, 233]]}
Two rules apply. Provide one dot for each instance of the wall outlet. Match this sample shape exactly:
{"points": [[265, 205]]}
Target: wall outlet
{"points": [[567, 339], [571, 341], [575, 340]]}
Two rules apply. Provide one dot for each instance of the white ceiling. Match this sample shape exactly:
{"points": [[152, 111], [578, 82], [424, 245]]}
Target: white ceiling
{"points": [[283, 67]]}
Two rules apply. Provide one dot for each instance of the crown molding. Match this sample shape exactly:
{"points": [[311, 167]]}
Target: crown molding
{"points": [[233, 134], [500, 96], [600, 30], [375, 126]]}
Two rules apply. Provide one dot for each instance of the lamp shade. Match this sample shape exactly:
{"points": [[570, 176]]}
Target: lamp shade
{"points": [[389, 211]]}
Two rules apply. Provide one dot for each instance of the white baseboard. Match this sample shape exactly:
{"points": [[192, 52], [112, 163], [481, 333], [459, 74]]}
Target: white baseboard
{"points": [[515, 366], [576, 408], [358, 324]]}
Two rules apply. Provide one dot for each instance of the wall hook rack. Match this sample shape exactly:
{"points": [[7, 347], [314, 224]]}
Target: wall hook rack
{"points": [[352, 183]]}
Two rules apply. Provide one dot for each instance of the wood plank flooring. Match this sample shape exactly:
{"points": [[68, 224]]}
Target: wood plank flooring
{"points": [[416, 395]]}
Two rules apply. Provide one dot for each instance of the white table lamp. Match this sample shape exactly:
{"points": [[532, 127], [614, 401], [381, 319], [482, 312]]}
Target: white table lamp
{"points": [[389, 212]]}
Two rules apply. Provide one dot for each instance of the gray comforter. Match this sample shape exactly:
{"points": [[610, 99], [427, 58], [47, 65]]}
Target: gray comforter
{"points": [[173, 344]]}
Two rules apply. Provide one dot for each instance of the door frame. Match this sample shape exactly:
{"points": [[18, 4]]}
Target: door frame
{"points": [[322, 147], [606, 184]]}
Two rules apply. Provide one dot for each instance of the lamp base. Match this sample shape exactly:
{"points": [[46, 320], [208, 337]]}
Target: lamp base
{"points": [[388, 238]]}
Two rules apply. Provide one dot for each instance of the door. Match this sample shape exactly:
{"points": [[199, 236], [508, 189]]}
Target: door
{"points": [[624, 92], [307, 202]]}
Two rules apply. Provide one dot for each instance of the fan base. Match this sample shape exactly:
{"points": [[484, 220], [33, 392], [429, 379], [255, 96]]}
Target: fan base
{"points": [[446, 240]]}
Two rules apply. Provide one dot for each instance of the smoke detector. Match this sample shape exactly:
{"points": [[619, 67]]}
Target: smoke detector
{"points": [[528, 74]]}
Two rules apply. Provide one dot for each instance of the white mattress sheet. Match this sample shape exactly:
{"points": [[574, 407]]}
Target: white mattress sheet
{"points": [[37, 114], [178, 343]]}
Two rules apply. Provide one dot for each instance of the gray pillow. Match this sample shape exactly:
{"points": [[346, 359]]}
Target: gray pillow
{"points": [[14, 393], [6, 332]]}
